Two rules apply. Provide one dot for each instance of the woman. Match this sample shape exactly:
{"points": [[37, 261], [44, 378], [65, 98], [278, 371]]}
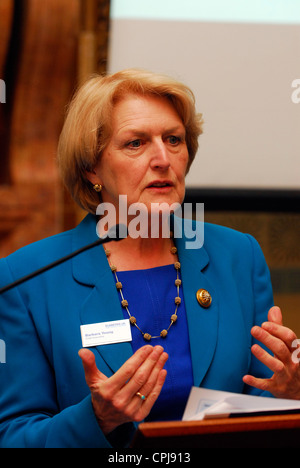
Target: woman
{"points": [[133, 134]]}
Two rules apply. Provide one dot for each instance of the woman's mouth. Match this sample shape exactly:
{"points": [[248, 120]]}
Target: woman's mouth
{"points": [[160, 185]]}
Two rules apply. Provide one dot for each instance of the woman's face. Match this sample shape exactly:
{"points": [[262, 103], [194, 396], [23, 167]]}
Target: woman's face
{"points": [[147, 156]]}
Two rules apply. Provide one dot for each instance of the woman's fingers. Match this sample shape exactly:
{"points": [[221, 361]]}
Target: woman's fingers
{"points": [[147, 403], [140, 373], [274, 364], [145, 377], [141, 402], [275, 315], [286, 335], [150, 390], [115, 399], [135, 369], [276, 338], [261, 384], [281, 357], [91, 371]]}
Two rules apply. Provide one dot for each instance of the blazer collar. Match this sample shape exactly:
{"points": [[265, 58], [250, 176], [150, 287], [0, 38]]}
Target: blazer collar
{"points": [[86, 266]]}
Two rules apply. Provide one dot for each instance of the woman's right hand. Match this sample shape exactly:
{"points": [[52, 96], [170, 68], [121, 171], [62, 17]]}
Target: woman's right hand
{"points": [[115, 400]]}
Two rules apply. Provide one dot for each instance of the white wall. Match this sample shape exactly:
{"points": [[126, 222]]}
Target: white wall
{"points": [[241, 72]]}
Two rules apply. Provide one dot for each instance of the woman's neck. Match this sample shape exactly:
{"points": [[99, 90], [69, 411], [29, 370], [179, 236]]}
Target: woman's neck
{"points": [[138, 254]]}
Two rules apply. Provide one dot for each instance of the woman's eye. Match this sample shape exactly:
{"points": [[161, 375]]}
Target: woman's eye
{"points": [[134, 144], [174, 140]]}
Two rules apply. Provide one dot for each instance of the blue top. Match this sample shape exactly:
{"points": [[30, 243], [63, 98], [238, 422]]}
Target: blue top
{"points": [[155, 289]]}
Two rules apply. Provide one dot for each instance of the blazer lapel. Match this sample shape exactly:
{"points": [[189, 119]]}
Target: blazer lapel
{"points": [[202, 323], [101, 303]]}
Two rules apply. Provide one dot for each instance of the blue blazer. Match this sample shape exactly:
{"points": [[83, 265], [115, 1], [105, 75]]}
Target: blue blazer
{"points": [[44, 399]]}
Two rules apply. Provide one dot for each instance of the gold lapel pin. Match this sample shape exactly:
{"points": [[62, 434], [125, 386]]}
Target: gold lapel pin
{"points": [[204, 298]]}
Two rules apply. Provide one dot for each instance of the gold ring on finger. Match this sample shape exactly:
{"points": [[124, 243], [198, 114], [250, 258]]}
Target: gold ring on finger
{"points": [[142, 397]]}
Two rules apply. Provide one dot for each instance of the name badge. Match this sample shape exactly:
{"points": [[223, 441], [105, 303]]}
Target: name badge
{"points": [[103, 333]]}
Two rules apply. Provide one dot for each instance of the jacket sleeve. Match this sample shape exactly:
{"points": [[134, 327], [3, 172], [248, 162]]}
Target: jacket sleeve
{"points": [[29, 412]]}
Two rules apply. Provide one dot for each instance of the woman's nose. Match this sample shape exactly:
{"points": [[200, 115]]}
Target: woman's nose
{"points": [[160, 156]]}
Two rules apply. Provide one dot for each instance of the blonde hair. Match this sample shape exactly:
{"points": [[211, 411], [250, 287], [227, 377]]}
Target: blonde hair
{"points": [[87, 126]]}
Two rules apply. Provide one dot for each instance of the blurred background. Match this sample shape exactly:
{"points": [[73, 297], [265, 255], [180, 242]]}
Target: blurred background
{"points": [[241, 59]]}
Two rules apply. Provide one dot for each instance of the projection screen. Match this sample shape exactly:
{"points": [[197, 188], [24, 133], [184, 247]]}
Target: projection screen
{"points": [[242, 60]]}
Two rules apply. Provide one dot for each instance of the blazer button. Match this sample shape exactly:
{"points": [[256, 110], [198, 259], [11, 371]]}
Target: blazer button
{"points": [[204, 298]]}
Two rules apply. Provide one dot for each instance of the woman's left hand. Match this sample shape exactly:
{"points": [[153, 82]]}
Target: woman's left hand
{"points": [[283, 343]]}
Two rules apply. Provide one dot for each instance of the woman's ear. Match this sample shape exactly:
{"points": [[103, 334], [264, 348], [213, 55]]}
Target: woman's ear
{"points": [[92, 177]]}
